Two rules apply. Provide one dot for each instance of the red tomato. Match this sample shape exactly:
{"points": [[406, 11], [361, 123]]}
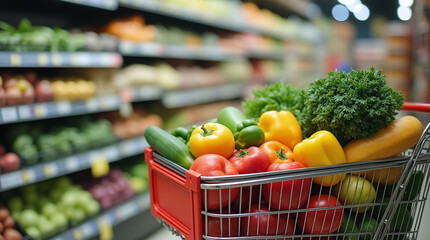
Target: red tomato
{"points": [[242, 201], [250, 160], [321, 221], [221, 226], [291, 194], [215, 165], [266, 224]]}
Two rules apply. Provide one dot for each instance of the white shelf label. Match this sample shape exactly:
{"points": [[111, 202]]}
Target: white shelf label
{"points": [[9, 114], [92, 104], [112, 153], [50, 170], [40, 110], [64, 107], [10, 180], [28, 176], [72, 164], [25, 112]]}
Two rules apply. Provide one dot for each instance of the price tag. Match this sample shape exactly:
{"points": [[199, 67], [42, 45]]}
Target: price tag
{"points": [[9, 114], [105, 229], [64, 107], [25, 112], [42, 59], [10, 180], [77, 234], [15, 59], [99, 166], [28, 176], [40, 110], [50, 170], [72, 164], [112, 152], [56, 60]]}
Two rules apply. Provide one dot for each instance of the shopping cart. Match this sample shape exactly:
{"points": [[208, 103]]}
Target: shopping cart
{"points": [[258, 208]]}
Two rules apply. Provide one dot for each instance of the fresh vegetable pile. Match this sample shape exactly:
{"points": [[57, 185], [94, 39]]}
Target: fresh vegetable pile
{"points": [[343, 118]]}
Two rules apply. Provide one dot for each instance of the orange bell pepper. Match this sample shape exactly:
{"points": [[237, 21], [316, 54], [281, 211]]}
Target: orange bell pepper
{"points": [[282, 127], [321, 149], [212, 138], [277, 152]]}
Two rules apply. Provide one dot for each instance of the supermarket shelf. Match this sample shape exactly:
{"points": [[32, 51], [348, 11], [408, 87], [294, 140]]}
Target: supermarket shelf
{"points": [[60, 59], [179, 52], [71, 164], [187, 97], [273, 55], [104, 4], [37, 111], [108, 219], [233, 24]]}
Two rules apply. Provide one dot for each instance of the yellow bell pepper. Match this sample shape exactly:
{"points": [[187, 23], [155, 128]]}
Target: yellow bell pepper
{"points": [[282, 127], [212, 138], [321, 149]]}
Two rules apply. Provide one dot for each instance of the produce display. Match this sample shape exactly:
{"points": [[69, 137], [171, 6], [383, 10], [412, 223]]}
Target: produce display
{"points": [[8, 229], [284, 128], [42, 141], [108, 190], [46, 208], [136, 170]]}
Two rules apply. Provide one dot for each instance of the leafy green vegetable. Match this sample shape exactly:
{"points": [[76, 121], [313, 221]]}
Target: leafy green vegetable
{"points": [[350, 105], [277, 96]]}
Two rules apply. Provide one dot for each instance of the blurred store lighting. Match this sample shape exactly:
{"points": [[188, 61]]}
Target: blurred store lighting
{"points": [[362, 13], [340, 12], [406, 3], [313, 11], [404, 13]]}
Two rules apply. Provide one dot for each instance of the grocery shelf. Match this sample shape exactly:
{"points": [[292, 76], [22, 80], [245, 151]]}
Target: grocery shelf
{"points": [[271, 54], [37, 111], [63, 166], [170, 10], [61, 59], [187, 97], [211, 53], [104, 4], [106, 220]]}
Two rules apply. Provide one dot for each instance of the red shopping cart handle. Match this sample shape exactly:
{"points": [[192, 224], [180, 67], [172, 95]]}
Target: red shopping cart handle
{"points": [[419, 107]]}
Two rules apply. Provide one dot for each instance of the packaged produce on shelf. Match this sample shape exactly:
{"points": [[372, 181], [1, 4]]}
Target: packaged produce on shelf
{"points": [[47, 208], [41, 141], [133, 125], [131, 28], [279, 111], [108, 190]]}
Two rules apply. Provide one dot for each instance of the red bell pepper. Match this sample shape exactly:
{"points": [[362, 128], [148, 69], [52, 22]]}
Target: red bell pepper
{"points": [[250, 160], [215, 165], [291, 194]]}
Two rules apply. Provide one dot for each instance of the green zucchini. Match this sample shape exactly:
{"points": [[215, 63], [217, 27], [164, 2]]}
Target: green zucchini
{"points": [[169, 146], [231, 117]]}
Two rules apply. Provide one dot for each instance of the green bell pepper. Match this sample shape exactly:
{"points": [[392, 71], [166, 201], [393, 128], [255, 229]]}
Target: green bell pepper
{"points": [[181, 133], [248, 134]]}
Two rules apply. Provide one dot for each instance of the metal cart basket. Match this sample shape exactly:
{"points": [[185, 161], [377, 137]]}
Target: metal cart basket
{"points": [[379, 200]]}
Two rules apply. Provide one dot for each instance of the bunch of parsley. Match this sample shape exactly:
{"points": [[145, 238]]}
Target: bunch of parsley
{"points": [[277, 96], [350, 105]]}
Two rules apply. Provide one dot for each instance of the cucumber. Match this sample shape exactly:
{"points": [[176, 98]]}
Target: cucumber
{"points": [[230, 117], [169, 146]]}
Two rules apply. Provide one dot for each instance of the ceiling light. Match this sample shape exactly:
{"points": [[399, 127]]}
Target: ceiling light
{"points": [[346, 2], [353, 5], [363, 13], [406, 3], [404, 13], [340, 12]]}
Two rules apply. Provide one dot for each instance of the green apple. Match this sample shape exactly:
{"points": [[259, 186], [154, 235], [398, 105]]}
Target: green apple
{"points": [[83, 197], [59, 219], [69, 199], [355, 190], [45, 226], [48, 209], [28, 218], [92, 207], [34, 233], [75, 214]]}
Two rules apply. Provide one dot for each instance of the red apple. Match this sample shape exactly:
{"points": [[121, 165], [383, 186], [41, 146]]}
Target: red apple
{"points": [[9, 162], [44, 91], [11, 82], [28, 95], [13, 96]]}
